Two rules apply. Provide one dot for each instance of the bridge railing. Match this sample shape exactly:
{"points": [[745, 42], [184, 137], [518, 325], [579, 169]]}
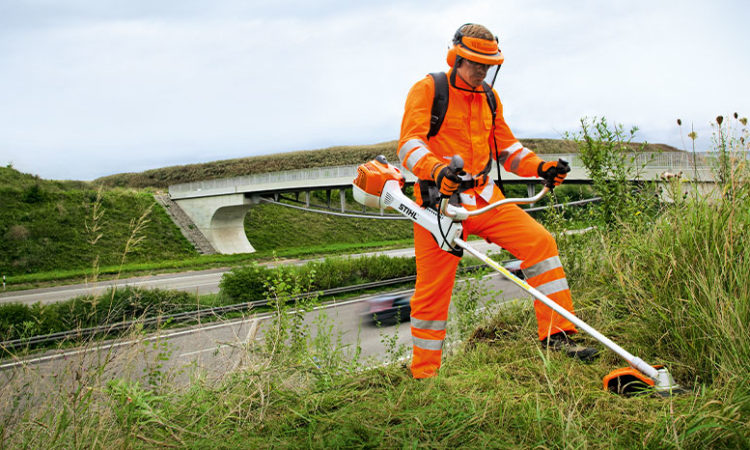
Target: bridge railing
{"points": [[666, 161]]}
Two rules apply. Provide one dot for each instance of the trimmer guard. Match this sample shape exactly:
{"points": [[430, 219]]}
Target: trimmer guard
{"points": [[628, 381]]}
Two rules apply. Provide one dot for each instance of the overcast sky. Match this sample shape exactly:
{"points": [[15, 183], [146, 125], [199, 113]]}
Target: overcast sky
{"points": [[94, 87]]}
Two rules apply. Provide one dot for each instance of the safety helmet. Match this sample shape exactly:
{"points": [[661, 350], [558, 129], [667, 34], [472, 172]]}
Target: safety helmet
{"points": [[482, 51]]}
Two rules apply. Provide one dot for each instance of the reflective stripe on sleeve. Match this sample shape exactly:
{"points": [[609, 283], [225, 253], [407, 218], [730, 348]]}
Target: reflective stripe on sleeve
{"points": [[428, 344], [506, 152], [428, 324], [414, 158], [542, 267], [409, 146], [516, 161], [553, 286]]}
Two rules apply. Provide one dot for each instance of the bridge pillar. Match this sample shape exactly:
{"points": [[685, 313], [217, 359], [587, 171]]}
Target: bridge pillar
{"points": [[222, 220]]}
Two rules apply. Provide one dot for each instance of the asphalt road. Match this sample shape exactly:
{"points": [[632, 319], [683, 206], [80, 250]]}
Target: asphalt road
{"points": [[208, 350], [197, 282]]}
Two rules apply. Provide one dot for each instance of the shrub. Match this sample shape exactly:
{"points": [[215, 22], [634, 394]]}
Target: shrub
{"points": [[248, 283], [17, 320], [605, 151], [245, 284]]}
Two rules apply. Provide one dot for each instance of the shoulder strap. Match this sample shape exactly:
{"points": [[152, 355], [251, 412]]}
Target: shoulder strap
{"points": [[439, 103], [490, 99]]}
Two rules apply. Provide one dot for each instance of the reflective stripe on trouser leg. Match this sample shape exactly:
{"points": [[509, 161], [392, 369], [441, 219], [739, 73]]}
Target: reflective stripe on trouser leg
{"points": [[548, 321], [513, 229], [436, 271]]}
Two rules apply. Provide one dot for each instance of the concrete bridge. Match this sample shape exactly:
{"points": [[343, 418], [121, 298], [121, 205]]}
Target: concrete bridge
{"points": [[218, 207]]}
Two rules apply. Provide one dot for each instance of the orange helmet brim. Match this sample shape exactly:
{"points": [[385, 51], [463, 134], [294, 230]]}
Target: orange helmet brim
{"points": [[482, 51]]}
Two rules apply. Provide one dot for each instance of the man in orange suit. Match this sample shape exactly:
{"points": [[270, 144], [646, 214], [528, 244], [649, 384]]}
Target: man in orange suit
{"points": [[474, 128]]}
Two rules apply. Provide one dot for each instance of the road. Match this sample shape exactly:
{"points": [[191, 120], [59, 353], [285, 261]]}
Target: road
{"points": [[197, 282], [208, 350]]}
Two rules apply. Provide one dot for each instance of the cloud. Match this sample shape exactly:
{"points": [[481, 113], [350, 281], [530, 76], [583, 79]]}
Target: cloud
{"points": [[92, 88]]}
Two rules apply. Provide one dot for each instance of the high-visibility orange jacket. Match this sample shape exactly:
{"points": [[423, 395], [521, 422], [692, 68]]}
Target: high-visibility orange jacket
{"points": [[466, 131]]}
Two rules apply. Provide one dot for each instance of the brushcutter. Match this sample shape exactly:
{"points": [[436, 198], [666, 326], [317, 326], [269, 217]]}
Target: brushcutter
{"points": [[379, 185]]}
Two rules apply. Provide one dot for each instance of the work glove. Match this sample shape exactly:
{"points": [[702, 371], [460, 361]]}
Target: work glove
{"points": [[446, 179], [553, 172]]}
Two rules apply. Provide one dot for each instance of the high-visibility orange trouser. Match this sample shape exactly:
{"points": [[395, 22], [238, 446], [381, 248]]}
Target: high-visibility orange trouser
{"points": [[512, 229]]}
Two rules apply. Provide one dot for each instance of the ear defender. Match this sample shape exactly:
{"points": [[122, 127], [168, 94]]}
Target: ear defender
{"points": [[451, 58]]}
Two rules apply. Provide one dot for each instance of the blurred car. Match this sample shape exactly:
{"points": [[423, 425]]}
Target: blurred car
{"points": [[389, 309]]}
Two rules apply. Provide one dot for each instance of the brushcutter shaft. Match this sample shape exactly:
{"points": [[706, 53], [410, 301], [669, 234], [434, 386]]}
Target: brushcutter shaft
{"points": [[634, 361]]}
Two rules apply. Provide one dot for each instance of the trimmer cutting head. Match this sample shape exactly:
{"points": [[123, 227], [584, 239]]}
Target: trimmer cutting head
{"points": [[629, 381]]}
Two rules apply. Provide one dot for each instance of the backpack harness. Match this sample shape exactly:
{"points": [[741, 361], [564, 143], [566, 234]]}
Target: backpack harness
{"points": [[428, 188]]}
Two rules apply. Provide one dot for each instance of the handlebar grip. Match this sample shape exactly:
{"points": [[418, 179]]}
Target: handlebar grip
{"points": [[456, 165], [563, 166]]}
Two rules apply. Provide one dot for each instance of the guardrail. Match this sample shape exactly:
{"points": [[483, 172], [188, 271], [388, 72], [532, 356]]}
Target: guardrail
{"points": [[655, 160]]}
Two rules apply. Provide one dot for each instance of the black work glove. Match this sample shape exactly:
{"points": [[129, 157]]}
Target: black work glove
{"points": [[553, 172], [447, 180]]}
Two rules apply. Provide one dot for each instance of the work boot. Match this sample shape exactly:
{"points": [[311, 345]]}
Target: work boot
{"points": [[564, 343]]}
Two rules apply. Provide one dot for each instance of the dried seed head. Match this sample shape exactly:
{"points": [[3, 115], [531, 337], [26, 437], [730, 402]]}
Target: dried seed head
{"points": [[693, 135], [679, 122], [743, 121], [735, 115], [719, 119]]}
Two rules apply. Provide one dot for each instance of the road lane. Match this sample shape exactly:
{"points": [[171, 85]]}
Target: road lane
{"points": [[197, 282], [209, 350]]}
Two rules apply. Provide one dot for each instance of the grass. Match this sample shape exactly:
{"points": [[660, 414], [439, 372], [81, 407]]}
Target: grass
{"points": [[498, 388], [670, 285], [44, 230]]}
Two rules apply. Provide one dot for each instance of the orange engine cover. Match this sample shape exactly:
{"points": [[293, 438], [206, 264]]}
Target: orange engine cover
{"points": [[371, 176]]}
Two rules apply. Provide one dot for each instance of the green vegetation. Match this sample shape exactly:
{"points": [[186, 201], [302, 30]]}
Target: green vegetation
{"points": [[250, 283], [21, 321], [46, 228], [670, 282], [273, 227], [333, 156], [651, 287]]}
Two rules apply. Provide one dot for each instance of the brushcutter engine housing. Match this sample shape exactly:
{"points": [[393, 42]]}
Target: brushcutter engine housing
{"points": [[378, 185]]}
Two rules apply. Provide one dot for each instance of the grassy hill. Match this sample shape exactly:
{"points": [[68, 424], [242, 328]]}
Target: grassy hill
{"points": [[63, 229], [61, 225], [48, 225]]}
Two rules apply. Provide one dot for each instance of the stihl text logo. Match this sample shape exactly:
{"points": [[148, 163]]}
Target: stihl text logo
{"points": [[407, 211]]}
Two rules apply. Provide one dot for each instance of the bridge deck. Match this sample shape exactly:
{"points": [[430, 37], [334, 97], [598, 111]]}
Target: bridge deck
{"points": [[341, 176]]}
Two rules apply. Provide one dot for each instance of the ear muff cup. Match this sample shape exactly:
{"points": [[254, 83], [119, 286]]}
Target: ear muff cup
{"points": [[451, 57]]}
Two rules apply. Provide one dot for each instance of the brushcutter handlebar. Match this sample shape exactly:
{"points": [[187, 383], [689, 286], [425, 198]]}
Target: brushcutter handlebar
{"points": [[460, 213]]}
